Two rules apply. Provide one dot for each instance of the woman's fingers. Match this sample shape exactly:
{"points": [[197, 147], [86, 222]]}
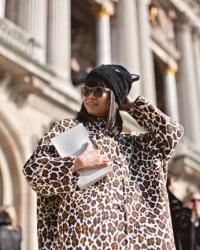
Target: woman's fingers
{"points": [[92, 158], [99, 160]]}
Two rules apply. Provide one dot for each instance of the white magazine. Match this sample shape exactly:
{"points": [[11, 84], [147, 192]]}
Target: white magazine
{"points": [[72, 143]]}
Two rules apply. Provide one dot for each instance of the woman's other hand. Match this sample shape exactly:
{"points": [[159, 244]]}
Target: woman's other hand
{"points": [[91, 158], [128, 103]]}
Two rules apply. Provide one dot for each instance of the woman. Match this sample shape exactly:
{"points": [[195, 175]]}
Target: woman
{"points": [[127, 209]]}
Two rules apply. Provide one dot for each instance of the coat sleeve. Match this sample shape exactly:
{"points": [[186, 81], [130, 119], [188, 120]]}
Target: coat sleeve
{"points": [[46, 172], [162, 133]]}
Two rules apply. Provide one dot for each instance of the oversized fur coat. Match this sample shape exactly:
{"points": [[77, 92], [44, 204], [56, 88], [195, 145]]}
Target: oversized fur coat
{"points": [[127, 209]]}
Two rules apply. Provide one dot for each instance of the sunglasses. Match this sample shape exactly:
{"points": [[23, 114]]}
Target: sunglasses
{"points": [[195, 200], [96, 91]]}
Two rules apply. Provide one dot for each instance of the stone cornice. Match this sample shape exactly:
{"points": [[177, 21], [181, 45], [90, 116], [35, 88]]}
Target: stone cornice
{"points": [[186, 161], [188, 150]]}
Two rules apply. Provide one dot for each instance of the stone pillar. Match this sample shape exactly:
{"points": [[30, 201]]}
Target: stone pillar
{"points": [[102, 13], [128, 39], [2, 8], [59, 37], [7, 180], [189, 109], [196, 50], [170, 90], [146, 56], [32, 17]]}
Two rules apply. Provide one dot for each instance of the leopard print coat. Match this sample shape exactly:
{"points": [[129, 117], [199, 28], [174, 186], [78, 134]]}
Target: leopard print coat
{"points": [[127, 209]]}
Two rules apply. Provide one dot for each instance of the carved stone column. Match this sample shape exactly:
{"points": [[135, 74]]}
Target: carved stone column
{"points": [[189, 109], [59, 37], [146, 56], [128, 49], [32, 17], [170, 90], [2, 8], [102, 13]]}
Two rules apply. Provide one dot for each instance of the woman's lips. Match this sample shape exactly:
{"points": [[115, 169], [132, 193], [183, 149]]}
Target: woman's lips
{"points": [[91, 103]]}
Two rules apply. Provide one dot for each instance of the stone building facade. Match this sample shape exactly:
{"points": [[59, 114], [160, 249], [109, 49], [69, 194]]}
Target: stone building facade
{"points": [[46, 47]]}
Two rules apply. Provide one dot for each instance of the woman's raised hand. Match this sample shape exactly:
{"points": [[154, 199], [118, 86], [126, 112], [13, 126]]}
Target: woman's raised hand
{"points": [[91, 158], [128, 103]]}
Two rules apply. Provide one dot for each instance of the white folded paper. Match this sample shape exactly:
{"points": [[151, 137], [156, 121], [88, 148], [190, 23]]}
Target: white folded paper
{"points": [[72, 143]]}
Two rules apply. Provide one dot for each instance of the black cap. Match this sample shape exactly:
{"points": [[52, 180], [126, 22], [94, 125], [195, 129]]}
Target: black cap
{"points": [[115, 77]]}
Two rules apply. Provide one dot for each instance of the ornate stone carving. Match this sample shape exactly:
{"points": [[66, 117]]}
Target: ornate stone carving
{"points": [[153, 15], [19, 88], [102, 8], [162, 20], [16, 38], [183, 22], [171, 69]]}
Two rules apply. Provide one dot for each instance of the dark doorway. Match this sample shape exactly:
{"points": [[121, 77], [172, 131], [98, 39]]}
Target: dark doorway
{"points": [[83, 39], [159, 80]]}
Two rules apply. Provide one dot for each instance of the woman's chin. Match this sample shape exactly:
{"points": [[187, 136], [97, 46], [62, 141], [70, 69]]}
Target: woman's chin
{"points": [[93, 111], [96, 114]]}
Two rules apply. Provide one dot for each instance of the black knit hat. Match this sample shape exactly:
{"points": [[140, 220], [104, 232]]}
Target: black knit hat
{"points": [[116, 78]]}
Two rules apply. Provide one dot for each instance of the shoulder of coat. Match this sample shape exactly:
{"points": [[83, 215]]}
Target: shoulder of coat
{"points": [[63, 124], [68, 122]]}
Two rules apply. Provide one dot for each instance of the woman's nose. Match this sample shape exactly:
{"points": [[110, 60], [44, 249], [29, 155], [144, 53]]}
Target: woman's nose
{"points": [[91, 94]]}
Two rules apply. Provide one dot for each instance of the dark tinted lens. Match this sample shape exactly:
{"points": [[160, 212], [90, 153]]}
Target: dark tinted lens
{"points": [[98, 91], [86, 91], [193, 200]]}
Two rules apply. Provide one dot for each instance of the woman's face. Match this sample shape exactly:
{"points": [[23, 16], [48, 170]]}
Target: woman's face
{"points": [[95, 104]]}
